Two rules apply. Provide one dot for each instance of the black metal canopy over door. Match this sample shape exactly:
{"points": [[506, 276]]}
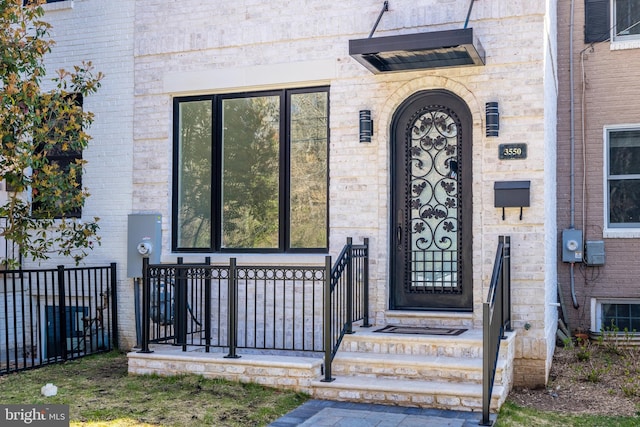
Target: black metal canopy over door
{"points": [[431, 194]]}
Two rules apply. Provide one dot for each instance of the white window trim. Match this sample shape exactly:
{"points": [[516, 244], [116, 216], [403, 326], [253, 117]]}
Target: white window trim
{"points": [[621, 42], [596, 310], [614, 232]]}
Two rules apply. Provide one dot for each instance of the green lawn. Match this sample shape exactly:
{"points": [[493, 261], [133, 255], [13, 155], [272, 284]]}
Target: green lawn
{"points": [[99, 392]]}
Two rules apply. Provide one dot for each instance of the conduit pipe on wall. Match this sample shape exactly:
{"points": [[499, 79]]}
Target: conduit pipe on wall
{"points": [[572, 141]]}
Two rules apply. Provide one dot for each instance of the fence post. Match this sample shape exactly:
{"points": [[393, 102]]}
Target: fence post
{"points": [[146, 302], [328, 350], [365, 284], [62, 307], [114, 307], [232, 316], [349, 326]]}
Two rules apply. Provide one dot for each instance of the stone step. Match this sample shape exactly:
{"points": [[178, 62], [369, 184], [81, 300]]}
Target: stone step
{"points": [[423, 394], [412, 367], [366, 340]]}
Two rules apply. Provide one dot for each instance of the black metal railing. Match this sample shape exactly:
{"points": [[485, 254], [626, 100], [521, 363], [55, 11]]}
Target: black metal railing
{"points": [[496, 320], [346, 298], [262, 307], [51, 315]]}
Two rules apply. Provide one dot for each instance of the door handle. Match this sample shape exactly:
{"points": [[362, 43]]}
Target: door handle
{"points": [[399, 229]]}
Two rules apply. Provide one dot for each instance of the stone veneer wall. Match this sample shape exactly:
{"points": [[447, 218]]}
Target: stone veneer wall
{"points": [[194, 47]]}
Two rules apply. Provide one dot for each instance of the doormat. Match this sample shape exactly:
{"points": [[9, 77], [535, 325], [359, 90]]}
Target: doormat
{"points": [[420, 330]]}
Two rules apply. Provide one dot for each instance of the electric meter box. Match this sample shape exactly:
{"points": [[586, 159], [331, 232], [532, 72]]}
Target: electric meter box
{"points": [[144, 240], [572, 245]]}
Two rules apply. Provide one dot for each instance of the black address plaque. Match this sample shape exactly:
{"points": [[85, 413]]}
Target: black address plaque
{"points": [[512, 151]]}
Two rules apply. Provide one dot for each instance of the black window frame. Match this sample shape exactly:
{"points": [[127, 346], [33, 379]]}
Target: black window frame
{"points": [[284, 220]]}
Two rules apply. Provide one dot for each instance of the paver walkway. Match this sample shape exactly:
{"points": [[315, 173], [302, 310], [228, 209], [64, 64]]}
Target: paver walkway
{"points": [[345, 414]]}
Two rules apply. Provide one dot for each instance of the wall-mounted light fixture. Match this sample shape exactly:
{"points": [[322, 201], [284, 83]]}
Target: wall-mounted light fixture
{"points": [[493, 119], [366, 126]]}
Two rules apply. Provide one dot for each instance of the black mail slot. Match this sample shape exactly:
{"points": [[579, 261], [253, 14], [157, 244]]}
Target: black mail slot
{"points": [[511, 194]]}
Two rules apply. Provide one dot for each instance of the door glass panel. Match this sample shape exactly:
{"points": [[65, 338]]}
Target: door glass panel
{"points": [[434, 202]]}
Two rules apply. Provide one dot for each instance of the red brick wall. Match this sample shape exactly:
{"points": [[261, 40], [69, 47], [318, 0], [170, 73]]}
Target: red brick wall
{"points": [[611, 96]]}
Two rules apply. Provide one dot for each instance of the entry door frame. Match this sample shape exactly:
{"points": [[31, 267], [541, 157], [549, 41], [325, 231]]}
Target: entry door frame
{"points": [[400, 271]]}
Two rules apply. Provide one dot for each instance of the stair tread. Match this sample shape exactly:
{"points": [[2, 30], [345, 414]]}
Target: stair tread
{"points": [[471, 335]]}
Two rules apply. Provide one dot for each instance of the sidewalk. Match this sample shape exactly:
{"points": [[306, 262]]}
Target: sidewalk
{"points": [[346, 414]]}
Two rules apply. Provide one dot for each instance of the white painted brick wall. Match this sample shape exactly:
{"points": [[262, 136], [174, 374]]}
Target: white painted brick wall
{"points": [[102, 32]]}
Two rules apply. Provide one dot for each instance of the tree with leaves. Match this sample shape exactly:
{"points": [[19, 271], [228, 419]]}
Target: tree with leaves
{"points": [[36, 127]]}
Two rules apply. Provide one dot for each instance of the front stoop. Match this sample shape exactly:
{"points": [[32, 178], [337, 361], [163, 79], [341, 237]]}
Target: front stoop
{"points": [[416, 370], [393, 369]]}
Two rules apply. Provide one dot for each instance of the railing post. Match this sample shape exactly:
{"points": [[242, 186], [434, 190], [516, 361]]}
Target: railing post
{"points": [[365, 284], [506, 283], [349, 321], [146, 303], [328, 350], [232, 316], [62, 307], [181, 305], [486, 363], [207, 305], [114, 306]]}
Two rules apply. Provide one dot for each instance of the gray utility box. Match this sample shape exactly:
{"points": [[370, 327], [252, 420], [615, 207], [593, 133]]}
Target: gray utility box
{"points": [[594, 252], [144, 240], [572, 245]]}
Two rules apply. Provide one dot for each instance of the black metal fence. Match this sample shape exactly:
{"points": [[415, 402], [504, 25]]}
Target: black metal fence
{"points": [[51, 315], [280, 308], [496, 320], [9, 250]]}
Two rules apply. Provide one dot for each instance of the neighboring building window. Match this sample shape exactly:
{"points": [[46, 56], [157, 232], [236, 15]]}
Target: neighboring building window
{"points": [[623, 178], [251, 172], [626, 19], [620, 317], [619, 19], [63, 158], [25, 2]]}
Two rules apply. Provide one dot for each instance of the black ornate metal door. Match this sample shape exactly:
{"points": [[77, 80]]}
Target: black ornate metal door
{"points": [[431, 213]]}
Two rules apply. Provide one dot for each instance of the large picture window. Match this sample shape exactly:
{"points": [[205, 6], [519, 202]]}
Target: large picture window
{"points": [[623, 178], [251, 172]]}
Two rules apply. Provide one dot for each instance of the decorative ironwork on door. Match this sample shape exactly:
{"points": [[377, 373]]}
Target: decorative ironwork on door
{"points": [[432, 172]]}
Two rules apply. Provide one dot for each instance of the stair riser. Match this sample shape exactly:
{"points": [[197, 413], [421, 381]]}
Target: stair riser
{"points": [[421, 400], [415, 345], [441, 373]]}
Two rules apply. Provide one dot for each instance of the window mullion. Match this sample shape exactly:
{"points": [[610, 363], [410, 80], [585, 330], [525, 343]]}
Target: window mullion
{"points": [[216, 176], [285, 171]]}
